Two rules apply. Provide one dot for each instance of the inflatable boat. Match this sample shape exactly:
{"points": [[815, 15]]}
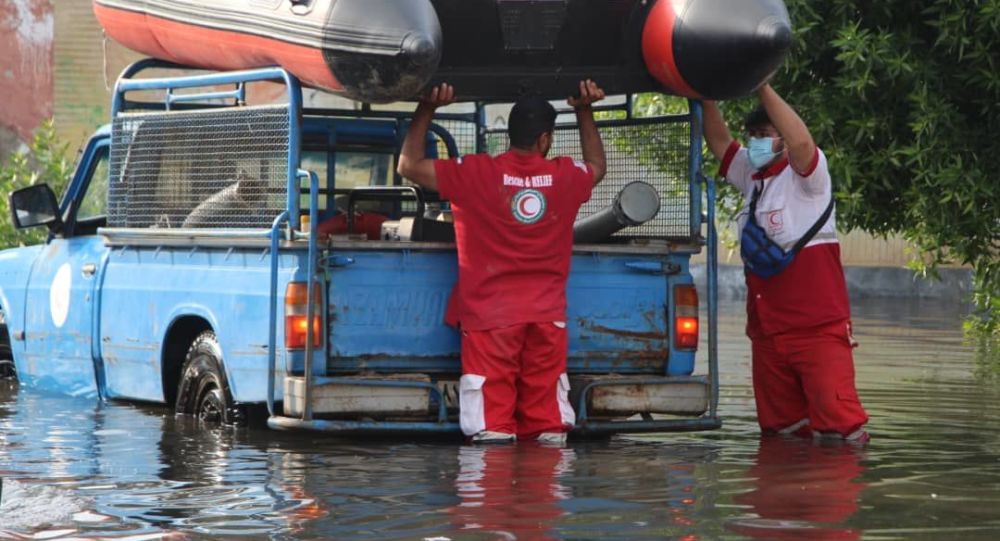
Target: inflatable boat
{"points": [[388, 50]]}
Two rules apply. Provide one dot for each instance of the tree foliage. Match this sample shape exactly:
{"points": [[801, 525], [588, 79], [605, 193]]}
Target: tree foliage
{"points": [[46, 160], [903, 97]]}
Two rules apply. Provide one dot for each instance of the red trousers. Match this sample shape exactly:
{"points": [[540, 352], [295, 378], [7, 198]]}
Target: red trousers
{"points": [[803, 382], [514, 380]]}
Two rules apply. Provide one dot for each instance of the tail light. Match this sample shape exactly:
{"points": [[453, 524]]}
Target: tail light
{"points": [[296, 315], [685, 317]]}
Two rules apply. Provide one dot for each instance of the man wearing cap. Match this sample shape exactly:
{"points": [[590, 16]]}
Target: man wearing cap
{"points": [[514, 219]]}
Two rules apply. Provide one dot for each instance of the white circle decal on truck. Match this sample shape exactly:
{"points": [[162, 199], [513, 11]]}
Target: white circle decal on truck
{"points": [[59, 294]]}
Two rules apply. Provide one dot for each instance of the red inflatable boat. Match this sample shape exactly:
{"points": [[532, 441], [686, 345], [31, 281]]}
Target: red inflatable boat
{"points": [[386, 50]]}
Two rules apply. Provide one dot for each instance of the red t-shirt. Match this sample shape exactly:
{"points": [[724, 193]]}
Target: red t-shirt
{"points": [[514, 219]]}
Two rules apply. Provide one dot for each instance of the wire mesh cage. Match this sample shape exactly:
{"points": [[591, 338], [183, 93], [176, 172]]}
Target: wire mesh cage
{"points": [[217, 168], [653, 151]]}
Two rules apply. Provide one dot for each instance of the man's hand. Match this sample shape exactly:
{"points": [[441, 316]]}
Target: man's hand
{"points": [[590, 94], [439, 96]]}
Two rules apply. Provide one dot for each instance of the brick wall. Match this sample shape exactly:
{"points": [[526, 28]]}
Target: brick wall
{"points": [[26, 31], [86, 67]]}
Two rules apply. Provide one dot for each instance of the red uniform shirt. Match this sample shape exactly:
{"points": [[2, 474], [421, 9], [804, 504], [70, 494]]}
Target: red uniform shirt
{"points": [[812, 291], [514, 219]]}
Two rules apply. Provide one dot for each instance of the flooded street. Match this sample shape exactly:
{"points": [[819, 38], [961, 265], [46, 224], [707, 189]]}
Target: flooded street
{"points": [[73, 468]]}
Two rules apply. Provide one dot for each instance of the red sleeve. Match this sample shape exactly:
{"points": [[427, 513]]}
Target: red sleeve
{"points": [[727, 158], [581, 177], [450, 182], [812, 165]]}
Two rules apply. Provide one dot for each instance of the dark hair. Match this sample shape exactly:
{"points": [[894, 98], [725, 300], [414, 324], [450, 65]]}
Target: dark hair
{"points": [[758, 118], [529, 119]]}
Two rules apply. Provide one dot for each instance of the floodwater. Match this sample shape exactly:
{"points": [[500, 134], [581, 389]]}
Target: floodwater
{"points": [[73, 468]]}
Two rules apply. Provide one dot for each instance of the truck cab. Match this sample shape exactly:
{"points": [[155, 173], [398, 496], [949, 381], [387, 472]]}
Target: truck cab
{"points": [[215, 256]]}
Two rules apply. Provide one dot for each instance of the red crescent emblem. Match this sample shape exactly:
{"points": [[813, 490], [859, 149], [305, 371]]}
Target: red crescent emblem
{"points": [[522, 205]]}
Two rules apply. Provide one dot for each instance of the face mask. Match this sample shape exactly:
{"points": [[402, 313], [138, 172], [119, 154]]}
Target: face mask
{"points": [[761, 152]]}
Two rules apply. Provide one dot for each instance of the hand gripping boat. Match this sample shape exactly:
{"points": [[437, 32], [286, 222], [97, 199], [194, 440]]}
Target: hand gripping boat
{"points": [[386, 50]]}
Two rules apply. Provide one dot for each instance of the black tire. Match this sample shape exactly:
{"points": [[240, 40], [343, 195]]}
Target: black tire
{"points": [[7, 370], [203, 391]]}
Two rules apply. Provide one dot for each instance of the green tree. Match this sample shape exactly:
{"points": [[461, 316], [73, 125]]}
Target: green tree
{"points": [[46, 160], [903, 97]]}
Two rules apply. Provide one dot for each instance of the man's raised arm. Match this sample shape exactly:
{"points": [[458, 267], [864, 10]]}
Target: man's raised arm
{"points": [[413, 162], [590, 138]]}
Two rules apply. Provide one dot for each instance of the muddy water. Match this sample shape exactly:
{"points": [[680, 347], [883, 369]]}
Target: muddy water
{"points": [[76, 469]]}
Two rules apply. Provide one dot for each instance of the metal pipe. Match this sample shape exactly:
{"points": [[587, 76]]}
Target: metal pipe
{"points": [[635, 204]]}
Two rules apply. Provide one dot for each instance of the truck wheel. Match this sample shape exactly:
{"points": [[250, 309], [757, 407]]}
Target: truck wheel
{"points": [[6, 363], [203, 390], [6, 356]]}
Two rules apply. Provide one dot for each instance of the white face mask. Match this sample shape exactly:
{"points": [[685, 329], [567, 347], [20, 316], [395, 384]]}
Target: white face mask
{"points": [[761, 151]]}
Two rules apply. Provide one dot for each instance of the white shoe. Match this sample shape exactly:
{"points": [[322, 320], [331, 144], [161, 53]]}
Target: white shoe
{"points": [[488, 436], [552, 438]]}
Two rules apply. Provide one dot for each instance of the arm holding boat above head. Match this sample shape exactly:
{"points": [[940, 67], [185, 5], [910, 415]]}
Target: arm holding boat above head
{"points": [[590, 138], [798, 141], [413, 161], [717, 134]]}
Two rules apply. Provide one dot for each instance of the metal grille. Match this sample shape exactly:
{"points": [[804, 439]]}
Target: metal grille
{"points": [[654, 152], [464, 134], [198, 169]]}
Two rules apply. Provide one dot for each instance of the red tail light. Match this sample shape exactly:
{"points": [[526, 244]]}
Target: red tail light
{"points": [[296, 315], [685, 317]]}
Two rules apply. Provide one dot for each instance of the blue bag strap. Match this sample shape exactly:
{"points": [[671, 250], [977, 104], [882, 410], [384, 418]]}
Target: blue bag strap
{"points": [[812, 230]]}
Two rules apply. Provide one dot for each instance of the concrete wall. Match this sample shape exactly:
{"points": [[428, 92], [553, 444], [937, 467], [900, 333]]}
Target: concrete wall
{"points": [[26, 39]]}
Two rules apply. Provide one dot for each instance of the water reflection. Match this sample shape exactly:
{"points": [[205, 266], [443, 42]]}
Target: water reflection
{"points": [[802, 490], [933, 468], [512, 491]]}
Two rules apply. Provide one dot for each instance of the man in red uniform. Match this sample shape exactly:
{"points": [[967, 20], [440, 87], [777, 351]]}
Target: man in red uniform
{"points": [[514, 219], [798, 320]]}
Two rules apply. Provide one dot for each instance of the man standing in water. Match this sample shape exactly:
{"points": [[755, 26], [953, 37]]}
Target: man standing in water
{"points": [[798, 315], [514, 232]]}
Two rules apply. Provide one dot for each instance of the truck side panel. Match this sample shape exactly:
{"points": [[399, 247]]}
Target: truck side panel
{"points": [[15, 267], [147, 289], [59, 316]]}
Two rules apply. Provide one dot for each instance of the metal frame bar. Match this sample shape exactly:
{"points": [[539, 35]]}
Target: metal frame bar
{"points": [[310, 289], [712, 277], [273, 316], [394, 427], [294, 106], [694, 166], [239, 95]]}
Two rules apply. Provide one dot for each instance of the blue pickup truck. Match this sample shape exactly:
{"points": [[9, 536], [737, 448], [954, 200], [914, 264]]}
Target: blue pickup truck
{"points": [[218, 256]]}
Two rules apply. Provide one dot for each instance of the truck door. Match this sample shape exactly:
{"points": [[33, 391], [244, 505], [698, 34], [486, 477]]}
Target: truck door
{"points": [[62, 289]]}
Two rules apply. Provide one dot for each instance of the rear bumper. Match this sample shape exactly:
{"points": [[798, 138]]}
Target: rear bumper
{"points": [[606, 404], [592, 428]]}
